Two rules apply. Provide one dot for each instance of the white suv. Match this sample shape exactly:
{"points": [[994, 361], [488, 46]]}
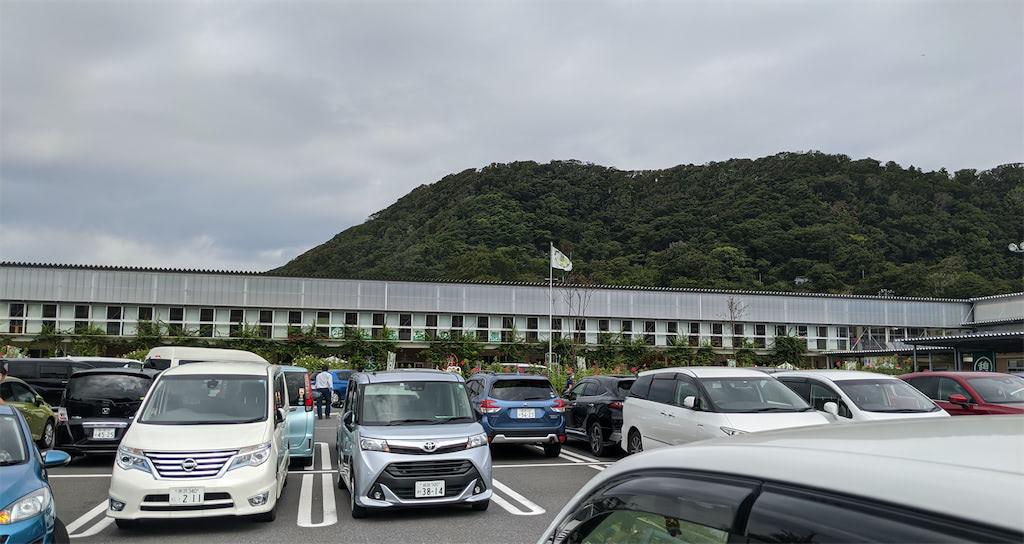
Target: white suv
{"points": [[680, 405], [209, 440], [846, 396]]}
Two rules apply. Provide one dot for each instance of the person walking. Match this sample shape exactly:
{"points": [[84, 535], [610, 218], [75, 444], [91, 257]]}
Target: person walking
{"points": [[325, 386]]}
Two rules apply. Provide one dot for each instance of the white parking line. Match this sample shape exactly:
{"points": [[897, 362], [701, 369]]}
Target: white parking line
{"points": [[96, 529], [580, 456], [532, 509], [532, 465], [86, 517], [325, 456], [305, 518]]}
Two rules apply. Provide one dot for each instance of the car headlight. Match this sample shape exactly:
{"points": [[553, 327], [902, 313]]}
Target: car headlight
{"points": [[476, 441], [373, 444], [251, 456], [132, 459], [732, 432], [28, 506]]}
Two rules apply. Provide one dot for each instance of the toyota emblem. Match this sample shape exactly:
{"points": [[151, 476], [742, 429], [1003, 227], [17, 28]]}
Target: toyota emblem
{"points": [[429, 446], [188, 465], [105, 410]]}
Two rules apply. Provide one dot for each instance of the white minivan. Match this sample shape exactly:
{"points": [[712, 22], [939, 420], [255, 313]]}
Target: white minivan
{"points": [[164, 357], [208, 440], [672, 406], [847, 396]]}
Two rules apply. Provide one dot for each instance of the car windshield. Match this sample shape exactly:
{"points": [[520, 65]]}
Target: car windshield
{"points": [[296, 387], [108, 386], [415, 403], [206, 400], [158, 364], [998, 389], [881, 395], [12, 446], [752, 395], [515, 389]]}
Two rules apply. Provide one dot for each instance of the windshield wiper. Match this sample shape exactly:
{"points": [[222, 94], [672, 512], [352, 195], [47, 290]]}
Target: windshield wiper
{"points": [[775, 409], [9, 463], [901, 411], [412, 420]]}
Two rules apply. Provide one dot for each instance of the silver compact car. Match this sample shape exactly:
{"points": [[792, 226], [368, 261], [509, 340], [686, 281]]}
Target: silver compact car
{"points": [[411, 438]]}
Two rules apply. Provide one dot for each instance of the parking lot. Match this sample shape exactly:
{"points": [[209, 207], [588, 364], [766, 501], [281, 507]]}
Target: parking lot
{"points": [[529, 490]]}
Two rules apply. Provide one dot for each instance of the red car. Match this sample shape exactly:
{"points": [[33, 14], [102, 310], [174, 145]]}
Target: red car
{"points": [[971, 393]]}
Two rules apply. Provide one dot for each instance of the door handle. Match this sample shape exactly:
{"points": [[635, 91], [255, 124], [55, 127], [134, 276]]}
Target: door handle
{"points": [[666, 414]]}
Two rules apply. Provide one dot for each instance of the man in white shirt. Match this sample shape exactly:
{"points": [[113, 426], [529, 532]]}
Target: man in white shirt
{"points": [[325, 386]]}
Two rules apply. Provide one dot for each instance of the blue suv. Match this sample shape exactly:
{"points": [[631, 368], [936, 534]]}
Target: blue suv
{"points": [[519, 409], [340, 387]]}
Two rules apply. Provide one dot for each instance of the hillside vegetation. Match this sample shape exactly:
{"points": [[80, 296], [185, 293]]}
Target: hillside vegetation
{"points": [[851, 226]]}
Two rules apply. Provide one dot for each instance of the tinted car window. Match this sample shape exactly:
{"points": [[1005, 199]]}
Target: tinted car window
{"points": [[522, 390], [999, 389], [16, 392], [108, 386], [622, 388], [641, 387], [158, 364], [789, 515], [22, 369], [799, 387], [663, 391], [53, 370], [929, 386]]}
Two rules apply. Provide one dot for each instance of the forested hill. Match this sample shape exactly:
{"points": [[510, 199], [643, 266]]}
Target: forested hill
{"points": [[852, 226]]}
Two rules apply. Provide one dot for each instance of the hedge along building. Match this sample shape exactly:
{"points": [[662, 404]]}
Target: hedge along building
{"points": [[221, 305]]}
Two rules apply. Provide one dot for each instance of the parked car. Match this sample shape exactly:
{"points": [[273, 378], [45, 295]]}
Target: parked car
{"points": [[107, 362], [410, 438], [593, 411], [301, 419], [672, 406], [47, 376], [971, 393], [164, 357], [519, 409], [894, 481], [209, 440], [340, 386], [39, 415], [846, 396], [27, 509], [98, 407]]}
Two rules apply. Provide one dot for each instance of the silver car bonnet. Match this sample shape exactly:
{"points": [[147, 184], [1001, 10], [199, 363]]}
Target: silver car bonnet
{"points": [[420, 432]]}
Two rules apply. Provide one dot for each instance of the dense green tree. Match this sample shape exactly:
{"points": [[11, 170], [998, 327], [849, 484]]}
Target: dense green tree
{"points": [[789, 349]]}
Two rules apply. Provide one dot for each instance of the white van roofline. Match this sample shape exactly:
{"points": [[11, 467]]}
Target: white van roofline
{"points": [[174, 353]]}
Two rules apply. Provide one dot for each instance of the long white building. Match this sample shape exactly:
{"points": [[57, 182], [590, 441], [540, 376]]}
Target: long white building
{"points": [[218, 304]]}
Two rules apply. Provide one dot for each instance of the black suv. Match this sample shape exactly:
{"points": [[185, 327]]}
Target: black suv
{"points": [[98, 406], [593, 410], [46, 376]]}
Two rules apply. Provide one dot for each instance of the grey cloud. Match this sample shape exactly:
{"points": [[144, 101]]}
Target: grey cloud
{"points": [[234, 133]]}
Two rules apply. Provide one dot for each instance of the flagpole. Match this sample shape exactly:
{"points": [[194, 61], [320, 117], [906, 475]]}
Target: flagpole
{"points": [[551, 299]]}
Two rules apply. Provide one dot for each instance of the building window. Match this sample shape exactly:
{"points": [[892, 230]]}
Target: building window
{"points": [[602, 325], [759, 342], [556, 328], [206, 315], [432, 320], [405, 334], [579, 337], [531, 336], [405, 320], [649, 326], [780, 330], [82, 311], [531, 323], [821, 342], [823, 332], [378, 320], [716, 329], [266, 316], [49, 317], [457, 322], [482, 322], [114, 320], [351, 318], [481, 335], [801, 331], [145, 313], [716, 341], [844, 343], [175, 316], [266, 323], [759, 330], [693, 340], [17, 322], [236, 316], [323, 317], [738, 329], [673, 327], [294, 318], [627, 325], [843, 332], [235, 330], [507, 324]]}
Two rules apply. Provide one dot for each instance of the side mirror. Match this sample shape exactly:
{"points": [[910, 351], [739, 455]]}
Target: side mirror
{"points": [[39, 400], [279, 416], [348, 418], [691, 403], [55, 458], [832, 408], [957, 398]]}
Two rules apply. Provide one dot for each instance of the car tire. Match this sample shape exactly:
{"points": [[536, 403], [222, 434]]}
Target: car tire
{"points": [[335, 399], [268, 516], [49, 436], [596, 439], [635, 443], [481, 506], [358, 512], [60, 533], [127, 523], [552, 450]]}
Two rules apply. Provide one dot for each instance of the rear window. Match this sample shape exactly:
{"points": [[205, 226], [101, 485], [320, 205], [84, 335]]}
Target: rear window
{"points": [[296, 381], [108, 386], [158, 364], [622, 388], [522, 390]]}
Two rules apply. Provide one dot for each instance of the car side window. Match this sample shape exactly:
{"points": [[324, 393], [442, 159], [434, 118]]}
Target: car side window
{"points": [[949, 386], [820, 394], [641, 387], [799, 387], [19, 393], [783, 514], [928, 385], [53, 370], [658, 507], [350, 396], [663, 390], [280, 392], [5, 391], [685, 388]]}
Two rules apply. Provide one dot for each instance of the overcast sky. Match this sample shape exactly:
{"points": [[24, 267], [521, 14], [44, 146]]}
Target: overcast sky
{"points": [[238, 134]]}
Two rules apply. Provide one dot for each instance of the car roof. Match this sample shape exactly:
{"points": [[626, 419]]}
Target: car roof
{"points": [[188, 352], [97, 359], [290, 368], [925, 463], [408, 375], [710, 372], [835, 375], [148, 372], [510, 376], [240, 368]]}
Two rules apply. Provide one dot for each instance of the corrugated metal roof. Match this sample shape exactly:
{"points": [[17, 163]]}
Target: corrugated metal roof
{"points": [[926, 339]]}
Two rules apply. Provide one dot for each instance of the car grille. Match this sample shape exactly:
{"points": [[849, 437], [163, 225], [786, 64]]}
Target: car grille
{"points": [[420, 451], [208, 463], [429, 469]]}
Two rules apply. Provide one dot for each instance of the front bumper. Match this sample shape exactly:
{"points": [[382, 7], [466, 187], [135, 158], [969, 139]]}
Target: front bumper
{"points": [[32, 530], [397, 488], [539, 438], [146, 497]]}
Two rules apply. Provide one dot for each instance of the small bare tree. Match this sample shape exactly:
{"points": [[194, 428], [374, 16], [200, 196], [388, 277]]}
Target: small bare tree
{"points": [[735, 310], [576, 292]]}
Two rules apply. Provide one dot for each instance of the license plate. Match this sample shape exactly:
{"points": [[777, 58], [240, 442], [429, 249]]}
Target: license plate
{"points": [[525, 413], [186, 495], [103, 433], [434, 488]]}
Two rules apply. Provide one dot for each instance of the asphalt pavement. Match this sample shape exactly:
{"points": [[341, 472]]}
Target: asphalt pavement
{"points": [[530, 490]]}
